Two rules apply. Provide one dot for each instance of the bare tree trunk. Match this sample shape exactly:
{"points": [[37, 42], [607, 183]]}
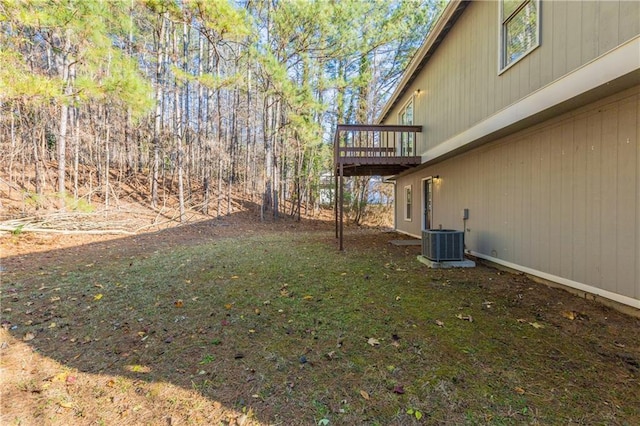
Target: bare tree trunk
{"points": [[219, 208], [157, 127], [107, 157], [64, 116]]}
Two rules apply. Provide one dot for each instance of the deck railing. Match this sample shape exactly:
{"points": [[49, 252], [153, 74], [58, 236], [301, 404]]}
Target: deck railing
{"points": [[359, 141]]}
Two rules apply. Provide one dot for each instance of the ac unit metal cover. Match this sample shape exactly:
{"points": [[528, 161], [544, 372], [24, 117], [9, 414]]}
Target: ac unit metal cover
{"points": [[440, 245]]}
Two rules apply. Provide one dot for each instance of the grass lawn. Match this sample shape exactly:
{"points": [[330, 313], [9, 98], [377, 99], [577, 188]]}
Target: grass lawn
{"points": [[278, 327]]}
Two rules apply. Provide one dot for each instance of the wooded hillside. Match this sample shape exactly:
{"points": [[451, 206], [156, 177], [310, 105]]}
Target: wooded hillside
{"points": [[197, 99]]}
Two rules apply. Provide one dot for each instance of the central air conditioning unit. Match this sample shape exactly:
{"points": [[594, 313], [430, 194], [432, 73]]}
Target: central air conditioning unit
{"points": [[442, 245]]}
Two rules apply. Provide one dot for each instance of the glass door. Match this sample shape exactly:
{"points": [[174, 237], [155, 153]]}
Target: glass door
{"points": [[427, 198]]}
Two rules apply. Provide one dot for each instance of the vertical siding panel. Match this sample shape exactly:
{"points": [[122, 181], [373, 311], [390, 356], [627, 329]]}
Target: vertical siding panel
{"points": [[579, 213], [487, 72], [609, 246], [545, 186], [594, 179], [523, 81], [506, 78], [468, 68], [525, 219], [629, 20], [489, 171], [502, 226], [470, 193], [536, 201], [547, 47], [627, 197], [477, 75], [567, 193], [514, 202], [514, 83], [573, 34], [553, 200], [559, 44], [608, 25], [534, 70], [589, 30], [490, 40], [637, 295]]}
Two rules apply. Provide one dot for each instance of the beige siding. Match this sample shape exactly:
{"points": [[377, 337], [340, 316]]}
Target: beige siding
{"points": [[461, 85], [562, 198]]}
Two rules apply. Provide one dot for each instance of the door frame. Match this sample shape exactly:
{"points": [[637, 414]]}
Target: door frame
{"points": [[424, 182]]}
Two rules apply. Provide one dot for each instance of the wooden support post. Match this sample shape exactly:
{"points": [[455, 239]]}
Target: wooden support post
{"points": [[341, 185], [335, 198]]}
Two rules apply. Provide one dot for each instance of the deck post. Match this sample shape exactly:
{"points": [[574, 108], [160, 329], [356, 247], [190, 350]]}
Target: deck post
{"points": [[335, 199], [341, 190]]}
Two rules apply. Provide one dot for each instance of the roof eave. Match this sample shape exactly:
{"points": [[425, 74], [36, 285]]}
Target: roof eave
{"points": [[440, 29]]}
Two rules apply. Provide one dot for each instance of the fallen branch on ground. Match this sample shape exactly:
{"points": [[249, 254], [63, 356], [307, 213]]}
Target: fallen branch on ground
{"points": [[66, 231]]}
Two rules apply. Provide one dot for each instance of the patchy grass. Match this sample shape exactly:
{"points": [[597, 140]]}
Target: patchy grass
{"points": [[278, 327]]}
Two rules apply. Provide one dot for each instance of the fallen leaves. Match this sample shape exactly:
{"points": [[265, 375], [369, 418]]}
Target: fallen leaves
{"points": [[365, 395], [574, 315], [465, 317], [97, 296], [439, 323], [178, 303], [417, 414], [137, 368], [28, 336], [373, 341], [534, 324]]}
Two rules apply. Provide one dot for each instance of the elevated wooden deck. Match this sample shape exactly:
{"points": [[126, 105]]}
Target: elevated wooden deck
{"points": [[370, 150], [374, 150]]}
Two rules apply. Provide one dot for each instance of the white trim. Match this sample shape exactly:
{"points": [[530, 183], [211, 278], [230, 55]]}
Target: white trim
{"points": [[611, 65], [635, 303]]}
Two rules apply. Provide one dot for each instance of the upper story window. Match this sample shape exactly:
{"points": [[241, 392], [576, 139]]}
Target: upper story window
{"points": [[519, 30], [405, 117]]}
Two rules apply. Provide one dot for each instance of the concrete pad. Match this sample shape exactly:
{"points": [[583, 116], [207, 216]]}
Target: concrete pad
{"points": [[448, 264], [406, 242]]}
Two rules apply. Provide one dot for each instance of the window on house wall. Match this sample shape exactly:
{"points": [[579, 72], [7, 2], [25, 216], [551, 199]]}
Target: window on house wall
{"points": [[407, 202], [519, 30], [406, 139]]}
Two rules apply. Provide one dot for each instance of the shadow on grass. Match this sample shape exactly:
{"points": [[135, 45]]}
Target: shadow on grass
{"points": [[229, 321]]}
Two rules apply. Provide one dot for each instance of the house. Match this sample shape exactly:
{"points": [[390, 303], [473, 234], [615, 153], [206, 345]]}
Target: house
{"points": [[524, 124]]}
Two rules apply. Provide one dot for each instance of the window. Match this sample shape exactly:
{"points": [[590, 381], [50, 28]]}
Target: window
{"points": [[407, 202], [519, 30], [406, 139]]}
